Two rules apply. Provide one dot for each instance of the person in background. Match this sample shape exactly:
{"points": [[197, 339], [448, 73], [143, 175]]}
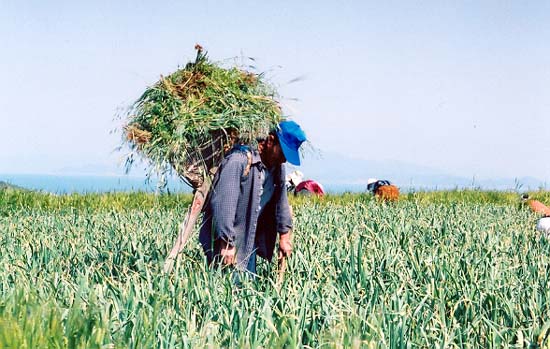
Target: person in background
{"points": [[309, 187], [293, 179], [383, 190], [248, 204], [298, 186], [543, 224]]}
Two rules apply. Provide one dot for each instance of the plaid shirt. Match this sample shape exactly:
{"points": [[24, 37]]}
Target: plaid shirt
{"points": [[233, 212]]}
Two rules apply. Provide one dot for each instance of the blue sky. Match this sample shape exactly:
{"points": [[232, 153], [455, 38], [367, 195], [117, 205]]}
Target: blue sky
{"points": [[460, 86]]}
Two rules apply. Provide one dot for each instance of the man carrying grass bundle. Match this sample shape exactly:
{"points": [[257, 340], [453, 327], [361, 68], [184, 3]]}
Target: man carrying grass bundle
{"points": [[187, 122], [248, 202]]}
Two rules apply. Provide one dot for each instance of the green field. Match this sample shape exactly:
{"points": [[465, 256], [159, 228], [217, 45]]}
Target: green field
{"points": [[462, 269]]}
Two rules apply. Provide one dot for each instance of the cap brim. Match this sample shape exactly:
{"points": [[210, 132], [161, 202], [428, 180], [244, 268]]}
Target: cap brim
{"points": [[292, 156]]}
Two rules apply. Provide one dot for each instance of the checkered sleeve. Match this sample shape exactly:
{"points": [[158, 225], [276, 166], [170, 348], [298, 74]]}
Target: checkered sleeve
{"points": [[225, 195]]}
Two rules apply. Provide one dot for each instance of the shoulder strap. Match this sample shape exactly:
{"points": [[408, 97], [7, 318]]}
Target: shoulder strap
{"points": [[246, 149], [249, 163]]}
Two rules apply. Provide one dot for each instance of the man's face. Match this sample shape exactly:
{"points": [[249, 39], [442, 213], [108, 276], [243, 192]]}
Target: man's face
{"points": [[271, 152]]}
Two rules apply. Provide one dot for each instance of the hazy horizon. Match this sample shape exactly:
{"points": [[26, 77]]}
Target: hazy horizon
{"points": [[336, 172]]}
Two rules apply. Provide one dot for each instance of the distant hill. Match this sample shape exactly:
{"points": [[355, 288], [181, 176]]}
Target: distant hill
{"points": [[5, 185]]}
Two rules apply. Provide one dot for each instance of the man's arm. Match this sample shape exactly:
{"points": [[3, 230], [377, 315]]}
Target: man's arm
{"points": [[284, 221]]}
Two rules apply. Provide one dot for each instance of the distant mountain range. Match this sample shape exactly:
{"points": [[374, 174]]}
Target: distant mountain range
{"points": [[348, 173], [344, 173]]}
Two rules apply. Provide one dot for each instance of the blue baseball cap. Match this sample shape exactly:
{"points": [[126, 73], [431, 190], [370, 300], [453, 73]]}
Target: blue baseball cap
{"points": [[290, 137]]}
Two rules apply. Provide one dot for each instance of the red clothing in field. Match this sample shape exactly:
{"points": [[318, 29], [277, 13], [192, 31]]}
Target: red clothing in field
{"points": [[311, 186], [539, 207], [387, 192]]}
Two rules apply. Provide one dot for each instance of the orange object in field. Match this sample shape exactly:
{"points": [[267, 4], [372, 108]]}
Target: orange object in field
{"points": [[538, 207], [387, 193]]}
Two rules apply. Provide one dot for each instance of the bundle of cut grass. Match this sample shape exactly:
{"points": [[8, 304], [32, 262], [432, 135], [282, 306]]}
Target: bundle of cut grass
{"points": [[189, 118]]}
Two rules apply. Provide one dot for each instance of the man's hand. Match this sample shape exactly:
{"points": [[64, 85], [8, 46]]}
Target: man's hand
{"points": [[228, 253], [285, 245]]}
